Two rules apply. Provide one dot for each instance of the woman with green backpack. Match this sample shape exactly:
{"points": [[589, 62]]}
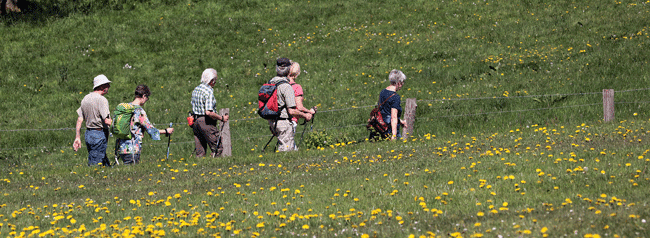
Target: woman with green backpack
{"points": [[129, 125]]}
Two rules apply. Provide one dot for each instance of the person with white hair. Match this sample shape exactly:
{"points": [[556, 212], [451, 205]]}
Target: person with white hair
{"points": [[294, 71], [205, 114], [390, 101], [95, 111]]}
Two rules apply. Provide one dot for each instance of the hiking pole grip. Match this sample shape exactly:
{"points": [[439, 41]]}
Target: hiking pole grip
{"points": [[312, 116], [311, 126]]}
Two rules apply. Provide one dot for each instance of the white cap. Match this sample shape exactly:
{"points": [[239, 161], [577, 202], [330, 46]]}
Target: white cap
{"points": [[100, 80], [208, 75]]}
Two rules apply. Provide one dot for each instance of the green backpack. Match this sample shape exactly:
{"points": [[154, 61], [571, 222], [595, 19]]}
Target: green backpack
{"points": [[121, 127]]}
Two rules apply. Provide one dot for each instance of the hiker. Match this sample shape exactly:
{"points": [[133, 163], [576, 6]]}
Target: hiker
{"points": [[294, 71], [205, 116], [129, 150], [391, 110], [95, 111], [282, 127]]}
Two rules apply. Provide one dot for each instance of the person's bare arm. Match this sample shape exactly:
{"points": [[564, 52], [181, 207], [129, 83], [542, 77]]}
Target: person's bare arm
{"points": [[216, 116], [393, 122], [167, 131], [77, 139], [301, 107], [298, 114]]}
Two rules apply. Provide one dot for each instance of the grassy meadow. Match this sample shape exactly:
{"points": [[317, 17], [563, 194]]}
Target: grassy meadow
{"points": [[508, 139]]}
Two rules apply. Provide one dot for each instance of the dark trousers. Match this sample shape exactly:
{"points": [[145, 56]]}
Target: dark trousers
{"points": [[130, 158], [206, 133]]}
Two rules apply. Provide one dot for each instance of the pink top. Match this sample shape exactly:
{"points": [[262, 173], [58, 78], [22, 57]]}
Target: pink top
{"points": [[297, 90]]}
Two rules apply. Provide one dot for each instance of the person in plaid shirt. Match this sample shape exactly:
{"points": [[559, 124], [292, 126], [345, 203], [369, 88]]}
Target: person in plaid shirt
{"points": [[204, 110]]}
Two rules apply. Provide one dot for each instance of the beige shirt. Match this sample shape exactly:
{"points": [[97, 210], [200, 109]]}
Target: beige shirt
{"points": [[286, 96], [94, 109]]}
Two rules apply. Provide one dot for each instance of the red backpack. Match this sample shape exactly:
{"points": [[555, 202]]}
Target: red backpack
{"points": [[267, 100], [376, 120]]}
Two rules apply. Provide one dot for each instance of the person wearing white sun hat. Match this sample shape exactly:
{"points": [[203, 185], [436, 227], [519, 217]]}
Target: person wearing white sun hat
{"points": [[95, 111]]}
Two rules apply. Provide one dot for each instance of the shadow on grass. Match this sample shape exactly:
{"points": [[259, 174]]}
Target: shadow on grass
{"points": [[33, 13], [39, 12]]}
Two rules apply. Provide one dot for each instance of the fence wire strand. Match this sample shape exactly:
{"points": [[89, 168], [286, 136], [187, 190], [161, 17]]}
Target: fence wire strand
{"points": [[632, 102], [632, 90], [514, 97], [37, 129], [359, 107], [499, 112]]}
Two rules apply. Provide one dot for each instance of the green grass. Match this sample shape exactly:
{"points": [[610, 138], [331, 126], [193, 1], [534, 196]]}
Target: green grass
{"points": [[576, 179], [510, 51]]}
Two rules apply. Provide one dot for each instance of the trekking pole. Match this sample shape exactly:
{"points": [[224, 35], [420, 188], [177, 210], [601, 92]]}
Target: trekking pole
{"points": [[116, 148], [305, 128], [267, 143], [223, 124], [272, 136], [169, 140]]}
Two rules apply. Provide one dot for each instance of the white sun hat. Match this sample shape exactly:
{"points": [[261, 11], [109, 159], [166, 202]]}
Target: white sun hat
{"points": [[100, 80]]}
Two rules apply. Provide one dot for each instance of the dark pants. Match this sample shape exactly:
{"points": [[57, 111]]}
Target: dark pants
{"points": [[130, 158], [96, 142], [388, 134], [206, 133]]}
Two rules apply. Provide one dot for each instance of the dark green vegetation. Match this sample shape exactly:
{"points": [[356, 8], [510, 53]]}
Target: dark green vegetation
{"points": [[532, 63]]}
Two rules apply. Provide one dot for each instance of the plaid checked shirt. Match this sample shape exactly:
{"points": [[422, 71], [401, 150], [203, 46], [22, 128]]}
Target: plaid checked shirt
{"points": [[203, 99]]}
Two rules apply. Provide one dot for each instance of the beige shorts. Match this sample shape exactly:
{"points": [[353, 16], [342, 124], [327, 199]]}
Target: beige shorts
{"points": [[283, 129]]}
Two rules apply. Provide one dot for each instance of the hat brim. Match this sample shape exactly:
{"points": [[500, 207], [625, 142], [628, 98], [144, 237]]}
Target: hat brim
{"points": [[97, 86]]}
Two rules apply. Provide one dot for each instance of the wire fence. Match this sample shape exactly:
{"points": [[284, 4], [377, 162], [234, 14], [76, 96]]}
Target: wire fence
{"points": [[524, 110], [362, 107], [513, 97]]}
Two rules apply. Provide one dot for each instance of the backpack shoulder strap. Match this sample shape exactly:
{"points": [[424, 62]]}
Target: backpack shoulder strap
{"points": [[280, 83], [387, 99], [277, 85]]}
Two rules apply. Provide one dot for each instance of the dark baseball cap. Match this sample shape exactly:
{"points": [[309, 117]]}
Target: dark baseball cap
{"points": [[284, 62]]}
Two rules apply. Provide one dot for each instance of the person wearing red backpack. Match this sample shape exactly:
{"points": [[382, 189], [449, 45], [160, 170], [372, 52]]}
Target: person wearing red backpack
{"points": [[282, 126], [390, 101]]}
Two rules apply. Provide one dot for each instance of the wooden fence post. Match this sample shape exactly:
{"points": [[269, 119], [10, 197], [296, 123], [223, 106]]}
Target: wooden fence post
{"points": [[608, 104], [225, 134], [409, 116]]}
